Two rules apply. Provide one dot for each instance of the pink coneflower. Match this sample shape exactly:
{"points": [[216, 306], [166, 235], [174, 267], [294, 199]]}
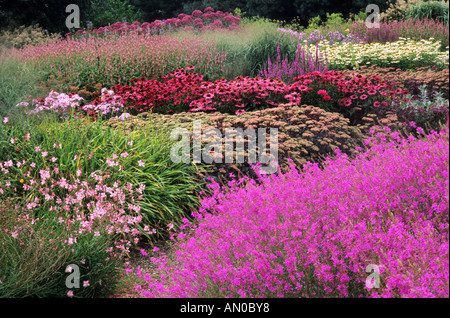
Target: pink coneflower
{"points": [[322, 92], [363, 97], [377, 104], [303, 88]]}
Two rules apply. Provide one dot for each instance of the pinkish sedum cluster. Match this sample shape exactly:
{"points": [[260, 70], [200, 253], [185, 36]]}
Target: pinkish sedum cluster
{"points": [[198, 20]]}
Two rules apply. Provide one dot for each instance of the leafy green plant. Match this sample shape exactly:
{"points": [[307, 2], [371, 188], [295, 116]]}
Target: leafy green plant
{"points": [[102, 13], [428, 10], [425, 109]]}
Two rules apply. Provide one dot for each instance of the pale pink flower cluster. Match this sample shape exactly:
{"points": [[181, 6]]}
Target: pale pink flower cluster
{"points": [[109, 103], [57, 102], [61, 103]]}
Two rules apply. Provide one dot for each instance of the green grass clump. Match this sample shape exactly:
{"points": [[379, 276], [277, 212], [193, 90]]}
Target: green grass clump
{"points": [[248, 49], [16, 81]]}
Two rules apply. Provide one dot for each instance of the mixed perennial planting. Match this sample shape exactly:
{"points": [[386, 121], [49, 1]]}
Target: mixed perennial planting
{"points": [[87, 179]]}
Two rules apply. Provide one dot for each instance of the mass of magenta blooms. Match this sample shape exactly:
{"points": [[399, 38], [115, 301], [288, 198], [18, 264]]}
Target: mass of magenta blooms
{"points": [[313, 233]]}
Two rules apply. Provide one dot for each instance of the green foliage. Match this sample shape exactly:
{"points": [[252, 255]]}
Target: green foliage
{"points": [[314, 23], [157, 9], [103, 13], [429, 10], [359, 17], [334, 20], [308, 9], [425, 109], [16, 80]]}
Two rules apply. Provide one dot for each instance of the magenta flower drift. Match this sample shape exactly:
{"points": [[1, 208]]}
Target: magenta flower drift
{"points": [[313, 233]]}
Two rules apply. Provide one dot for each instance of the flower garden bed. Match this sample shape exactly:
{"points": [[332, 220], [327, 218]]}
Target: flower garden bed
{"points": [[87, 173]]}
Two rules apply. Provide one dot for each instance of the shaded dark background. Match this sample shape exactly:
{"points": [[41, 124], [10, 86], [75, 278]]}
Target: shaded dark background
{"points": [[51, 15]]}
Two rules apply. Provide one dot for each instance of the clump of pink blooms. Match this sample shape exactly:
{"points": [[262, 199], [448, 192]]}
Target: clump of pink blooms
{"points": [[107, 104], [56, 102], [198, 20], [315, 232], [88, 204]]}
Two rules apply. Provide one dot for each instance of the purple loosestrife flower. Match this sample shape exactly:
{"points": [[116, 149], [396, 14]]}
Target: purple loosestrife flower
{"points": [[303, 63]]}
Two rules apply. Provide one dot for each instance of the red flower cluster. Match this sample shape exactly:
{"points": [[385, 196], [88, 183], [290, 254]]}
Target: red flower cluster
{"points": [[182, 90], [197, 20], [353, 92], [185, 91], [173, 93]]}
